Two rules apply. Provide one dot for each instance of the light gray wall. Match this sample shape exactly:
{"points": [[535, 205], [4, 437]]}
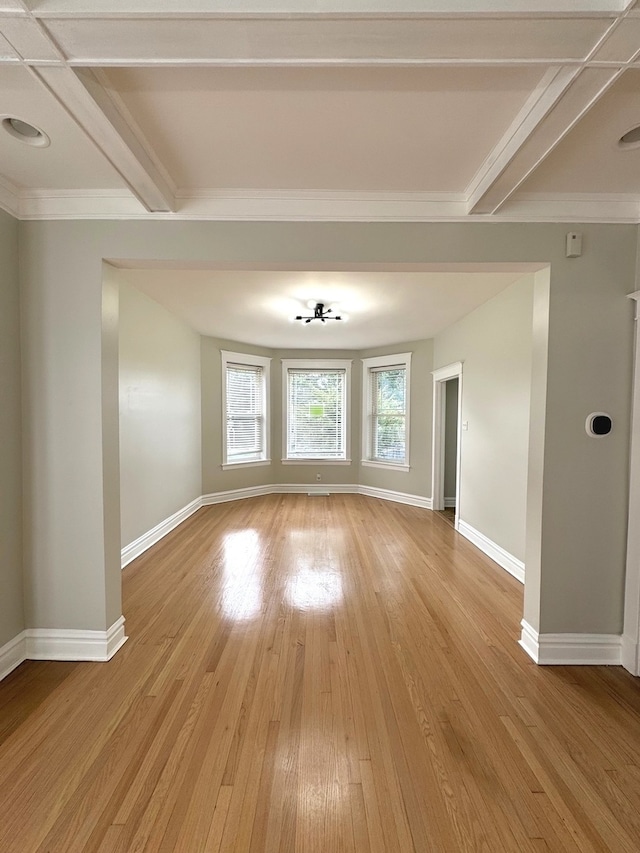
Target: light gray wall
{"points": [[494, 343], [160, 440], [579, 569], [451, 437], [417, 481], [11, 587]]}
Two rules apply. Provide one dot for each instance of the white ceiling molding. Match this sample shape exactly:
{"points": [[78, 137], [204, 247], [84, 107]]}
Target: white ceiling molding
{"points": [[9, 197], [562, 98], [27, 37], [7, 54], [559, 57], [95, 112], [247, 205], [530, 149], [61, 8], [545, 96], [233, 40], [13, 6], [622, 43], [575, 207]]}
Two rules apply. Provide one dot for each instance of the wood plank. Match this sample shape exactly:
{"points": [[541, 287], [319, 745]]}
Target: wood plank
{"points": [[309, 675]]}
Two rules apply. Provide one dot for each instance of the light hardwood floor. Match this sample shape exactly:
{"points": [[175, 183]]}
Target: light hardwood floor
{"points": [[318, 675]]}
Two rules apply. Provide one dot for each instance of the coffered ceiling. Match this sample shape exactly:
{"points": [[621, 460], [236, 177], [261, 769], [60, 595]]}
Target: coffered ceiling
{"points": [[322, 109]]}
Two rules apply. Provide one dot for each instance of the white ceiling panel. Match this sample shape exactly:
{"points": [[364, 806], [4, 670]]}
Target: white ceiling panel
{"points": [[375, 110], [352, 129], [71, 160], [258, 306], [589, 160], [210, 41]]}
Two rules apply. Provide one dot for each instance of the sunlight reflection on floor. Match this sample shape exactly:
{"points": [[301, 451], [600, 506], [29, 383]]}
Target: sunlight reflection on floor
{"points": [[242, 592]]}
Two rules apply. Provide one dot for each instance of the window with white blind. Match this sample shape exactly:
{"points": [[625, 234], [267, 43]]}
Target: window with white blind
{"points": [[245, 392], [316, 410], [385, 419]]}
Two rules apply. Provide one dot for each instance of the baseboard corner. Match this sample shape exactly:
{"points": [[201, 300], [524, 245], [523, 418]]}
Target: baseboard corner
{"points": [[12, 654], [571, 649]]}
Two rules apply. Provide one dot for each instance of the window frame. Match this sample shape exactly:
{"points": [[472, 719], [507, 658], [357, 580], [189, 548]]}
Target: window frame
{"points": [[316, 364], [244, 359], [369, 366]]}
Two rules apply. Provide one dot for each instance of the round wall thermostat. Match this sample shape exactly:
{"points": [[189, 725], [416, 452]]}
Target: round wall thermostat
{"points": [[598, 424]]}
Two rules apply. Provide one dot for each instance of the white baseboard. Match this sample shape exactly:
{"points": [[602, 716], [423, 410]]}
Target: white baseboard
{"points": [[571, 649], [61, 644], [630, 655], [12, 654], [503, 558], [449, 502], [396, 497], [236, 495], [316, 489], [140, 545]]}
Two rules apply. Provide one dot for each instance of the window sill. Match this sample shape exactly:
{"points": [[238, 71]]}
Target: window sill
{"points": [[312, 461], [388, 466], [254, 463]]}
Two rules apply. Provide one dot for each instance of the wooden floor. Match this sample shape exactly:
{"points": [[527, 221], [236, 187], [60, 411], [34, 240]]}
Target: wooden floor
{"points": [[318, 674]]}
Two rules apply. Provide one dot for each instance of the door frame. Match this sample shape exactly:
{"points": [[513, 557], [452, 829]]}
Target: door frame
{"points": [[631, 629], [440, 376]]}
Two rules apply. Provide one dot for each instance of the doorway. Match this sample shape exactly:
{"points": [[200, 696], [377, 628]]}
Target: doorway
{"points": [[447, 423]]}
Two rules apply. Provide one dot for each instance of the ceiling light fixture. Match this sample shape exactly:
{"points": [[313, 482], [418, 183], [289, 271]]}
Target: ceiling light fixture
{"points": [[25, 132], [319, 313]]}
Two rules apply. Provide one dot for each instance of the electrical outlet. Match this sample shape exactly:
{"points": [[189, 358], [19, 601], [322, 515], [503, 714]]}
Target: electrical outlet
{"points": [[318, 477]]}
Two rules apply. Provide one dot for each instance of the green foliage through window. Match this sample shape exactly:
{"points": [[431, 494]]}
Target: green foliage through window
{"points": [[316, 412]]}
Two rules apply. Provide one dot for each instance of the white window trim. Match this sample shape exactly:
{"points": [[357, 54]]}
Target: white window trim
{"points": [[252, 464], [402, 359], [313, 461], [316, 364], [250, 361], [388, 466]]}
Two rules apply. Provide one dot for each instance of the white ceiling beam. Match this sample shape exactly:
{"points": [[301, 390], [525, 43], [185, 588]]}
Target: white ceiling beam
{"points": [[90, 105], [338, 40], [346, 8], [569, 96], [544, 97], [563, 97], [13, 6], [29, 39]]}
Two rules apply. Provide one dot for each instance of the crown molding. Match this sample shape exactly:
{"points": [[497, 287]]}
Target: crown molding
{"points": [[573, 207], [79, 204], [316, 8], [317, 206], [9, 197]]}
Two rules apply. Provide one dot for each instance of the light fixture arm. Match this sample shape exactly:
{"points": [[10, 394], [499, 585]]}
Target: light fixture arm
{"points": [[319, 313]]}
